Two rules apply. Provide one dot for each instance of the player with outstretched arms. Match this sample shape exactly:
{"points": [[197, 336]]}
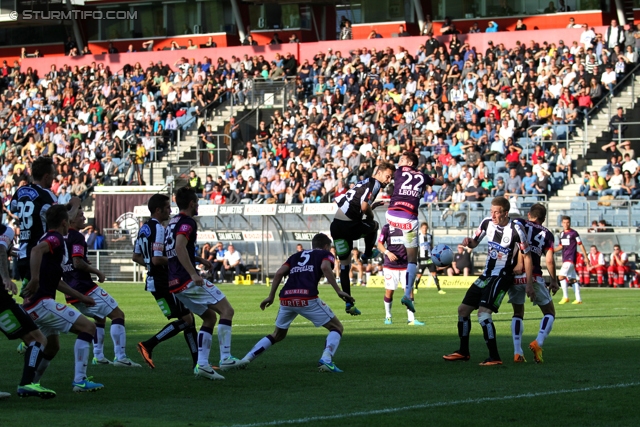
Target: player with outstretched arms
{"points": [[505, 238], [569, 242], [354, 220], [394, 268], [409, 186], [47, 258], [149, 252], [299, 296], [198, 295], [77, 273], [540, 244]]}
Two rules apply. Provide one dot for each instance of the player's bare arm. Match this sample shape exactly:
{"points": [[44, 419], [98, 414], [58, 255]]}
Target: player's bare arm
{"points": [[551, 268], [327, 270], [183, 257], [206, 263], [385, 251], [585, 255], [557, 248], [37, 253], [4, 271], [528, 268], [139, 259], [282, 272], [81, 265], [158, 260], [470, 242], [68, 290]]}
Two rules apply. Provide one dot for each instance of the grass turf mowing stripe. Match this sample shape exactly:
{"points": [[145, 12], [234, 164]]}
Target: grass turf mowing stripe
{"points": [[436, 405]]}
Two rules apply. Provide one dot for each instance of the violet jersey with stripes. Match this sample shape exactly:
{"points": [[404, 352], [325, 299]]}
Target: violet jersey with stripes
{"points": [[409, 186], [393, 240], [79, 280], [31, 203], [149, 244], [179, 277], [305, 273], [50, 268], [570, 240], [540, 241], [350, 203], [504, 244]]}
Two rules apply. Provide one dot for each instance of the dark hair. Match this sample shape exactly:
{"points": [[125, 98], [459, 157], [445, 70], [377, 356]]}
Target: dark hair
{"points": [[538, 212], [157, 201], [320, 240], [567, 218], [55, 215], [503, 202], [184, 196], [412, 158], [383, 166], [41, 166]]}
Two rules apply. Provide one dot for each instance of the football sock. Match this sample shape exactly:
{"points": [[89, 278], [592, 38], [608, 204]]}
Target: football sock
{"points": [[412, 272], [345, 278], [169, 331], [370, 243], [546, 324], [388, 302], [464, 329], [42, 366], [204, 345], [98, 341], [331, 345], [576, 291], [81, 352], [620, 281], [260, 347], [410, 316], [224, 338], [191, 337], [489, 332], [32, 359], [119, 337], [436, 281], [563, 285], [517, 329]]}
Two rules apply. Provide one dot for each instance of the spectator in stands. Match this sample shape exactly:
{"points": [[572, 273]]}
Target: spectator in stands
{"points": [[513, 183], [597, 184], [565, 163], [402, 32], [614, 36], [346, 32], [207, 189], [614, 184], [219, 253], [461, 264], [529, 183], [233, 261]]}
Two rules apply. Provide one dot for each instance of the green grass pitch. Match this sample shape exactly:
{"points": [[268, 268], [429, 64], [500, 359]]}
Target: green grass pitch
{"points": [[394, 375]]}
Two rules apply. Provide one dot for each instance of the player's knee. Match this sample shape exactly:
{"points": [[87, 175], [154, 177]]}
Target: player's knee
{"points": [[35, 336], [116, 314], [88, 327], [464, 310], [189, 320], [278, 335], [518, 310], [52, 348], [484, 316]]}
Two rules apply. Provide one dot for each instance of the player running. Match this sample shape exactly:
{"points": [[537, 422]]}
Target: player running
{"points": [[349, 225], [149, 251], [15, 323], [77, 273], [47, 258], [197, 294], [425, 242], [540, 244], [390, 243], [569, 242], [409, 186], [299, 296], [505, 238]]}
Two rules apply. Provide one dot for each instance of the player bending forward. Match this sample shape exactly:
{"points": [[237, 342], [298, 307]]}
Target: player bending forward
{"points": [[390, 243], [540, 244], [299, 296], [77, 273], [569, 242], [198, 295]]}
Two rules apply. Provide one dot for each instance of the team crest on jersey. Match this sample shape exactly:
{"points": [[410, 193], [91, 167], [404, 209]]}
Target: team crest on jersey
{"points": [[129, 221], [104, 293], [145, 231], [60, 307], [506, 240]]}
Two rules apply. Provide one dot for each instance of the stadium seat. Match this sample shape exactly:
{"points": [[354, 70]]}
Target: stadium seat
{"points": [[501, 166]]}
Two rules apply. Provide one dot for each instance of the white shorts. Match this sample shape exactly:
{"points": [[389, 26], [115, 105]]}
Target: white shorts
{"points": [[409, 227], [53, 317], [518, 295], [199, 298], [568, 270], [315, 311], [105, 304], [394, 278]]}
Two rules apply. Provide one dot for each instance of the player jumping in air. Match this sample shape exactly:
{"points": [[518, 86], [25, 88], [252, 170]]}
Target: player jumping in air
{"points": [[409, 186], [299, 296], [149, 251], [390, 243], [348, 225], [569, 242]]}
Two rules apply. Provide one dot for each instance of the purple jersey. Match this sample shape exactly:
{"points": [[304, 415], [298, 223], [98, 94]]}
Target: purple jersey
{"points": [[81, 281], [50, 268], [393, 240], [409, 186], [185, 225], [540, 241], [304, 274], [569, 240]]}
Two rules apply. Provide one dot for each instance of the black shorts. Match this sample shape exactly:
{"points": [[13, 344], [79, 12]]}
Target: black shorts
{"points": [[488, 292], [344, 233], [24, 269], [14, 321], [427, 265], [170, 306]]}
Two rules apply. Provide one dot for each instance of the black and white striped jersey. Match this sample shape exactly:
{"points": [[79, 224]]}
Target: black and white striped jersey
{"points": [[150, 243], [350, 203], [504, 244]]}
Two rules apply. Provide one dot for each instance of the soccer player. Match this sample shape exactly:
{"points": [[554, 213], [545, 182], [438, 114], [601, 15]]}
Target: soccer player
{"points": [[47, 258], [348, 224], [77, 273], [15, 323], [200, 296], [149, 251], [299, 296], [618, 267], [425, 241], [505, 237], [569, 242], [540, 244], [394, 269], [409, 186], [596, 264]]}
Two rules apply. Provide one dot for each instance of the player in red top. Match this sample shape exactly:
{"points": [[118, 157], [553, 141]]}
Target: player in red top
{"points": [[596, 265], [618, 267]]}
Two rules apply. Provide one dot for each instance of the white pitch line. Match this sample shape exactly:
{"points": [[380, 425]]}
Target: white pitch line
{"points": [[435, 405]]}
